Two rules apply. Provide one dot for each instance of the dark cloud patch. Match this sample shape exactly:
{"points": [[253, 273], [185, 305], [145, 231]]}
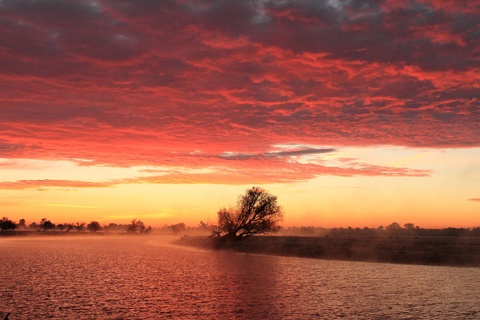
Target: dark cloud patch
{"points": [[236, 16], [8, 150], [52, 11], [8, 147], [275, 154], [405, 87], [302, 152], [59, 29], [369, 32]]}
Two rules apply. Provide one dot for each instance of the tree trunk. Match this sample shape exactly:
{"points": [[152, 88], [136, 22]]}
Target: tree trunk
{"points": [[231, 236]]}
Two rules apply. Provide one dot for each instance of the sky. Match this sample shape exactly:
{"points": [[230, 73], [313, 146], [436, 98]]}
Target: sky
{"points": [[353, 113]]}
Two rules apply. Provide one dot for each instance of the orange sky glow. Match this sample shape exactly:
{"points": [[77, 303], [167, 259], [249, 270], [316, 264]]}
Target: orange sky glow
{"points": [[353, 113]]}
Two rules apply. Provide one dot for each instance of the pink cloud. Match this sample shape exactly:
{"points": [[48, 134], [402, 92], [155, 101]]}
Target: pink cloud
{"points": [[277, 166]]}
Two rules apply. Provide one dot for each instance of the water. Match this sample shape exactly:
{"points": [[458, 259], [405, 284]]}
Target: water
{"points": [[147, 278]]}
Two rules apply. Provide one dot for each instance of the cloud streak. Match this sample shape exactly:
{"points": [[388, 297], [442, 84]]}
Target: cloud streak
{"points": [[72, 206], [275, 154], [268, 167]]}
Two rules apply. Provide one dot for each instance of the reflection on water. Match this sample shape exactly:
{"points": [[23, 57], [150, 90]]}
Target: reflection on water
{"points": [[147, 278]]}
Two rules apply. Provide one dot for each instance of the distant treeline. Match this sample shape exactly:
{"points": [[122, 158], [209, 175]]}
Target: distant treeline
{"points": [[392, 230], [137, 226]]}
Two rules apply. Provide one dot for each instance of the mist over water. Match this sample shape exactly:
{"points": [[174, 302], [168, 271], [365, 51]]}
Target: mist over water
{"points": [[128, 277]]}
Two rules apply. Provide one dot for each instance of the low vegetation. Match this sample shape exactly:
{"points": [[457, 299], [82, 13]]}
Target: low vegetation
{"points": [[447, 251]]}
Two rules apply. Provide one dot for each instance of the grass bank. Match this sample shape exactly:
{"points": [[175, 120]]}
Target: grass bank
{"points": [[445, 251]]}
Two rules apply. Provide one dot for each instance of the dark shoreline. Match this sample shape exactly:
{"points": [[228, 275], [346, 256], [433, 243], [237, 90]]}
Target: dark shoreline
{"points": [[444, 251], [439, 251], [22, 233], [33, 234]]}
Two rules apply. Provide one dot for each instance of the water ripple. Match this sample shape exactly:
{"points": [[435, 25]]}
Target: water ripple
{"points": [[147, 278]]}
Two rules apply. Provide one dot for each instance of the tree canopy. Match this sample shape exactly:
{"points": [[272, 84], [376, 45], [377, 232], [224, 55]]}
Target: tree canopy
{"points": [[7, 224], [136, 225], [46, 224], [94, 226], [256, 212]]}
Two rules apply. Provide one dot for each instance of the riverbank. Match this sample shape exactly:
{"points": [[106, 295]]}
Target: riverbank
{"points": [[446, 251], [58, 234]]}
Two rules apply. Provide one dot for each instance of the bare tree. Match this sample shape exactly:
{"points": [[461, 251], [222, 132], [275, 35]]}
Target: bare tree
{"points": [[79, 226], [256, 212]]}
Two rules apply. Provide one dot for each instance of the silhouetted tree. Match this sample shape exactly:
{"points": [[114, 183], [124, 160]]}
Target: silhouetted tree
{"points": [[409, 229], [21, 224], [177, 228], [7, 224], [46, 224], [136, 225], [256, 212], [114, 227], [394, 229], [94, 226], [203, 225], [33, 225], [79, 226], [409, 226]]}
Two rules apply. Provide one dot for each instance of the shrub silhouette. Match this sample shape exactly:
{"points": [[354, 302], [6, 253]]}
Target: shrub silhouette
{"points": [[7, 224]]}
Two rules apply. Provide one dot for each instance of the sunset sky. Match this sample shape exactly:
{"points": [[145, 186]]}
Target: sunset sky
{"points": [[354, 113]]}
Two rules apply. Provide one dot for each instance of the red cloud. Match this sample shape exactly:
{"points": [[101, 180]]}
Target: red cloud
{"points": [[131, 83]]}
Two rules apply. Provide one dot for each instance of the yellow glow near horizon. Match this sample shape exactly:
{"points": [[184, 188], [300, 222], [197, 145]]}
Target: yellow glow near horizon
{"points": [[438, 200]]}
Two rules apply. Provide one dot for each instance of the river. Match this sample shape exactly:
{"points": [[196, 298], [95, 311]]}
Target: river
{"points": [[146, 277]]}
